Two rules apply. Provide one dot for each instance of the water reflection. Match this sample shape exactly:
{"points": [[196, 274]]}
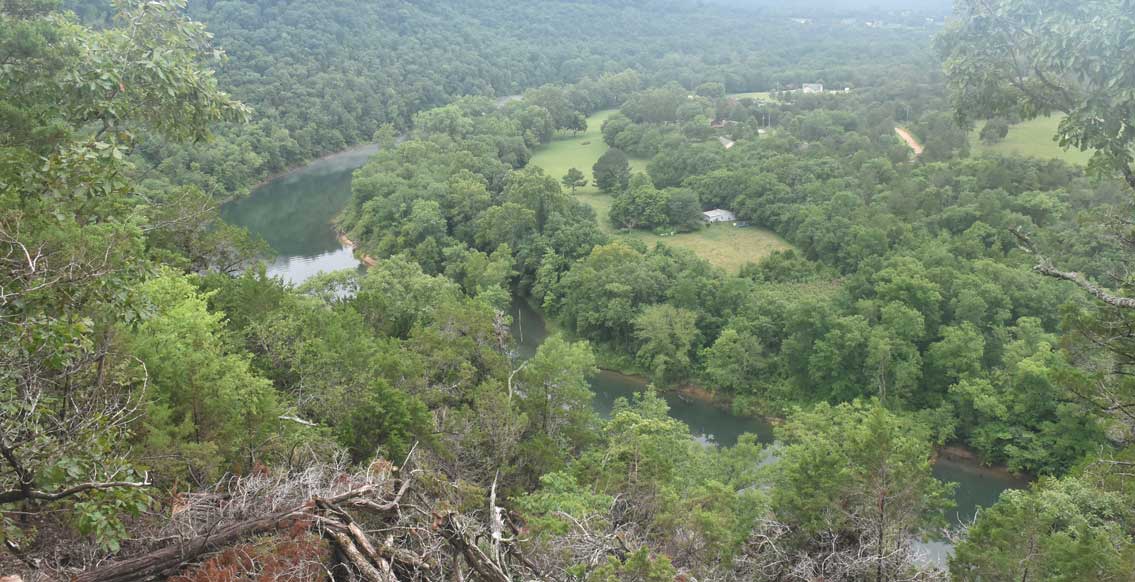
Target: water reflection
{"points": [[293, 213]]}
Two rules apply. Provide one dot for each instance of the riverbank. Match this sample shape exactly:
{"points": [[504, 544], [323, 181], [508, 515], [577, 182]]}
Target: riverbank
{"points": [[363, 257], [614, 364], [954, 453], [961, 454]]}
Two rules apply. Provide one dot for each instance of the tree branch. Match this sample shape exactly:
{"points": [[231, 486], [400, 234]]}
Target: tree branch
{"points": [[1091, 288], [20, 494], [297, 419]]}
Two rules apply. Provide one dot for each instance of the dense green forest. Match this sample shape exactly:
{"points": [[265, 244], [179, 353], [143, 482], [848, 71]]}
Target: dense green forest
{"points": [[321, 76], [170, 411]]}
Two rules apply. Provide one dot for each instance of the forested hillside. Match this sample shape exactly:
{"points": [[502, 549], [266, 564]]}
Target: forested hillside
{"points": [[325, 75], [170, 411]]}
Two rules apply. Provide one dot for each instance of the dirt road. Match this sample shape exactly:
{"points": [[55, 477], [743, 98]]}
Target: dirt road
{"points": [[910, 141]]}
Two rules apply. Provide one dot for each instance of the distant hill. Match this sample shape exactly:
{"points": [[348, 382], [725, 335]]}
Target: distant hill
{"points": [[817, 8]]}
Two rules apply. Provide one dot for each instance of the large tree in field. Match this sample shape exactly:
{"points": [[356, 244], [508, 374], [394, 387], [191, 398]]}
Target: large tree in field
{"points": [[573, 179], [612, 172]]}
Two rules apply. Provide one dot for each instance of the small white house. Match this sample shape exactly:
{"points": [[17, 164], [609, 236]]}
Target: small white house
{"points": [[813, 88], [719, 215]]}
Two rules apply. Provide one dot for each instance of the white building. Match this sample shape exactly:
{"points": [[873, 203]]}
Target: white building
{"points": [[719, 215], [813, 88]]}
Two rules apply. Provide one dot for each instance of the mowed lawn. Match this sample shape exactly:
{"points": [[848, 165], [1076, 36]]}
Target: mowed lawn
{"points": [[1032, 138], [755, 95], [723, 245], [579, 151]]}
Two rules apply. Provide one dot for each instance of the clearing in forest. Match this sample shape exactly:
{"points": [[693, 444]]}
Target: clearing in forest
{"points": [[1031, 138], [579, 151], [723, 245], [755, 95]]}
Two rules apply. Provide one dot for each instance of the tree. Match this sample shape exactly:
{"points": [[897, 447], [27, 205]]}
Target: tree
{"points": [[673, 165], [853, 485], [510, 223], [395, 296], [578, 123], [1028, 58], [555, 100], [735, 361], [556, 397], [643, 449], [612, 171], [382, 423], [1065, 529], [206, 407], [597, 297], [641, 206], [666, 335], [684, 210], [539, 192], [574, 179], [712, 91], [994, 130]]}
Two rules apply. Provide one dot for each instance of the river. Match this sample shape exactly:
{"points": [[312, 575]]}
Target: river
{"points": [[294, 211]]}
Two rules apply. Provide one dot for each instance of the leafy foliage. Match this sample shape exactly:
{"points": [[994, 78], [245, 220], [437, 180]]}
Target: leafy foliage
{"points": [[1063, 529]]}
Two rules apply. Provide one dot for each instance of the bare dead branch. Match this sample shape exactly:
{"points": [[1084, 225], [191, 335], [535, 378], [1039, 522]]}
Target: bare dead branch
{"points": [[21, 494]]}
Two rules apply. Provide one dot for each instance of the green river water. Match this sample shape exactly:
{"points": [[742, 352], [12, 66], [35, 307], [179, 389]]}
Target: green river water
{"points": [[294, 212]]}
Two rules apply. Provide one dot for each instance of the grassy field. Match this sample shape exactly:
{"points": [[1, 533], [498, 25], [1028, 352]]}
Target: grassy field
{"points": [[723, 245], [757, 95], [579, 151], [1032, 138]]}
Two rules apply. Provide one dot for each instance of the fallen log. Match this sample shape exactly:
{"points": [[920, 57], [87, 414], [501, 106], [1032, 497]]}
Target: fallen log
{"points": [[366, 570], [171, 558], [486, 569]]}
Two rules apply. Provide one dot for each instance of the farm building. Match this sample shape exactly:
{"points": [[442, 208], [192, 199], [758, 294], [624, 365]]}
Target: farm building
{"points": [[719, 215], [813, 88]]}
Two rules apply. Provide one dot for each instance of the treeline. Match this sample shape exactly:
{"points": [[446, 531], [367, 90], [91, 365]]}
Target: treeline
{"points": [[322, 76]]}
